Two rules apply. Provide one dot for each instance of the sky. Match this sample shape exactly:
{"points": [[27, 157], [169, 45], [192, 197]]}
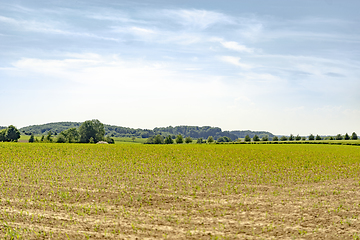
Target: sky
{"points": [[284, 66]]}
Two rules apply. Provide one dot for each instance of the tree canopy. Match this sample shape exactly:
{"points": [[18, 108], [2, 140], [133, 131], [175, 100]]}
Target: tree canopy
{"points": [[9, 134], [91, 129]]}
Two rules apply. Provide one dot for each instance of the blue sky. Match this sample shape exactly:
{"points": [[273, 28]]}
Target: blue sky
{"points": [[283, 66]]}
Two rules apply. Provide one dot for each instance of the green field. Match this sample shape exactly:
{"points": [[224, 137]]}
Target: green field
{"points": [[195, 191]]}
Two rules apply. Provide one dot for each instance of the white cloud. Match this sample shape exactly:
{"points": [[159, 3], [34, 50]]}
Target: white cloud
{"points": [[235, 61], [49, 28], [237, 47], [113, 74], [200, 19]]}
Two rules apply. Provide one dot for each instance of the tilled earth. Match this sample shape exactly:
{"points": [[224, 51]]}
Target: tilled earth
{"points": [[326, 210]]}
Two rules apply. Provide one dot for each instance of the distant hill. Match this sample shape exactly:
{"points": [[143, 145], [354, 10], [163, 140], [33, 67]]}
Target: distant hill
{"points": [[242, 134], [2, 127], [56, 127], [117, 131]]}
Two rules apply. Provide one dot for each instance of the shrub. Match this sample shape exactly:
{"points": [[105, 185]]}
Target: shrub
{"points": [[179, 139], [188, 140]]}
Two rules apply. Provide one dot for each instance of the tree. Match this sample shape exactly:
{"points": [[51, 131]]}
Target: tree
{"points": [[158, 139], [318, 137], [91, 129], [2, 135], [199, 140], [210, 139], [303, 138], [297, 138], [339, 137], [354, 136], [247, 138], [48, 137], [109, 140], [42, 138], [12, 134], [311, 137], [275, 138], [91, 140], [265, 138], [283, 138], [71, 135], [347, 137], [61, 139], [256, 138], [188, 140], [133, 139], [179, 139], [331, 138], [291, 138], [168, 140], [31, 139]]}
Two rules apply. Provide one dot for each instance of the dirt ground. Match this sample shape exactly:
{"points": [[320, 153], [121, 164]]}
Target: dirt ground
{"points": [[327, 210]]}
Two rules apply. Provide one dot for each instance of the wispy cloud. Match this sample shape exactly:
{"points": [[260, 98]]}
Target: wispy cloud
{"points": [[235, 61], [198, 19], [49, 28]]}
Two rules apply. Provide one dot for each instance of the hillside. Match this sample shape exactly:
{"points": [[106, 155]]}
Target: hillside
{"points": [[117, 131]]}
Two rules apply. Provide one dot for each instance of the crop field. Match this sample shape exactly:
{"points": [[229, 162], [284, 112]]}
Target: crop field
{"points": [[204, 191]]}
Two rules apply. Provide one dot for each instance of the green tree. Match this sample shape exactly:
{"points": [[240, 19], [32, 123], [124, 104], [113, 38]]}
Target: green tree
{"points": [[12, 134], [210, 139], [91, 129], [169, 140], [31, 139], [2, 135], [109, 140], [133, 139], [275, 138], [61, 139], [71, 135], [265, 138], [291, 138], [247, 138], [179, 139], [256, 138], [311, 137], [347, 137], [297, 138], [199, 140], [331, 138], [354, 136], [158, 139], [283, 138], [317, 137], [91, 140], [303, 138], [188, 140], [48, 137], [339, 137]]}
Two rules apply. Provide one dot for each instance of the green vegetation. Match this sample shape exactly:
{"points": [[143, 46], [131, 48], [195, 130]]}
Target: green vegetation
{"points": [[9, 134], [193, 191], [117, 131]]}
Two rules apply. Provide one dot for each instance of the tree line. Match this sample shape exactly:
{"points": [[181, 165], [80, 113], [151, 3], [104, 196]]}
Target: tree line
{"points": [[91, 131], [117, 131], [171, 139]]}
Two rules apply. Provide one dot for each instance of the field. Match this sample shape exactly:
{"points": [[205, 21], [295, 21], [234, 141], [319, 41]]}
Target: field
{"points": [[129, 191]]}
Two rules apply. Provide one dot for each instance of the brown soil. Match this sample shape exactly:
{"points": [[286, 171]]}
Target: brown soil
{"points": [[327, 210]]}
